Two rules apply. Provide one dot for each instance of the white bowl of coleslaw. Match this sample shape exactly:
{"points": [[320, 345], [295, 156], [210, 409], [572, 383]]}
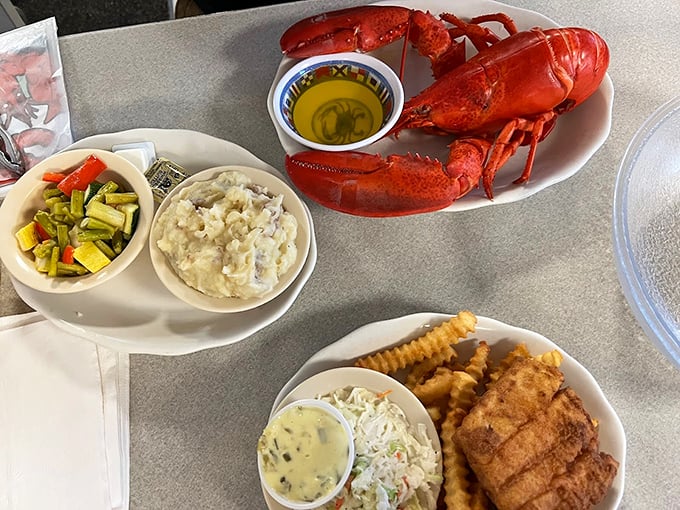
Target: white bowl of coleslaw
{"points": [[397, 449], [229, 238]]}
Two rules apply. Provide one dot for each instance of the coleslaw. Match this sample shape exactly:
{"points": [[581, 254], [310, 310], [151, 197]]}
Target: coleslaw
{"points": [[395, 465]]}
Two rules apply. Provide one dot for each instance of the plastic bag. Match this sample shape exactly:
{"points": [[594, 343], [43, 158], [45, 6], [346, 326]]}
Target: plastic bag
{"points": [[33, 103]]}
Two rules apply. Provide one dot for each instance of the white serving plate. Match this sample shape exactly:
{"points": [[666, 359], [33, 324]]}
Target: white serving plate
{"points": [[134, 312], [502, 338], [576, 137]]}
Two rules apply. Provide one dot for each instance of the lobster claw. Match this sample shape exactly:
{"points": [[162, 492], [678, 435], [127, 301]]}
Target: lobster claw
{"points": [[370, 27], [356, 28], [397, 185]]}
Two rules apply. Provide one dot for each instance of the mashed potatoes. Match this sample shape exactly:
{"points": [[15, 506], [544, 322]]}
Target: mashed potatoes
{"points": [[227, 237]]}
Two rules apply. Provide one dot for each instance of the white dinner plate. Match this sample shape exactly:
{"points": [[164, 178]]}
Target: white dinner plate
{"points": [[502, 338], [134, 312], [576, 137]]}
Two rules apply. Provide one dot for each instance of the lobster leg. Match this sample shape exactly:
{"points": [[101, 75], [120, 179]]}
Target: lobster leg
{"points": [[397, 185], [480, 37], [515, 133]]}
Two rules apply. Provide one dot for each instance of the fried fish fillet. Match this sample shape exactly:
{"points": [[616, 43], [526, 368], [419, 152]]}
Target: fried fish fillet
{"points": [[522, 392], [533, 445]]}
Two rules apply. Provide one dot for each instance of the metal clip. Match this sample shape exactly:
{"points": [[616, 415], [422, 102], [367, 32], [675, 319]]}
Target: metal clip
{"points": [[10, 154]]}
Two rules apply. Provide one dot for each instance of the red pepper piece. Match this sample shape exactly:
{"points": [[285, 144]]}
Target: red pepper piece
{"points": [[53, 176], [42, 233], [67, 255], [81, 177]]}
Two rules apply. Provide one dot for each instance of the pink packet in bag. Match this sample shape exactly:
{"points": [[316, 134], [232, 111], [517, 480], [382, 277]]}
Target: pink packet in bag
{"points": [[33, 104]]}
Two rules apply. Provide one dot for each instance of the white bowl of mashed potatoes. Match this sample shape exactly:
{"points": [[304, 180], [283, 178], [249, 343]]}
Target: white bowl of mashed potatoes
{"points": [[229, 238]]}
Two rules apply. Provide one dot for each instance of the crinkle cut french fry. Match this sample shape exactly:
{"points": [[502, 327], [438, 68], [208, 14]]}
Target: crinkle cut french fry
{"points": [[436, 387], [415, 351], [479, 362], [435, 413], [520, 351], [463, 394], [437, 410], [456, 471], [456, 486], [421, 370], [553, 358]]}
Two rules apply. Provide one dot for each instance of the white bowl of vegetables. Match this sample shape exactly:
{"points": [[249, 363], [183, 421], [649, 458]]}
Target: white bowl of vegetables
{"points": [[75, 220]]}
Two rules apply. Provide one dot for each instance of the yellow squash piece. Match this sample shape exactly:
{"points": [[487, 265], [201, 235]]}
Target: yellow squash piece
{"points": [[91, 257], [27, 237]]}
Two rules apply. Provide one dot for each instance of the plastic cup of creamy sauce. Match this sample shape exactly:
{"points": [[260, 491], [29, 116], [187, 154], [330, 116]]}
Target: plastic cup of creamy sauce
{"points": [[305, 454]]}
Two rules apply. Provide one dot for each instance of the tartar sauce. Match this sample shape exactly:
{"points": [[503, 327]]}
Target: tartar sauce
{"points": [[304, 453]]}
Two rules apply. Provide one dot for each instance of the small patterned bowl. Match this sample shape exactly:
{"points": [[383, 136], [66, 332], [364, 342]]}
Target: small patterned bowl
{"points": [[338, 102]]}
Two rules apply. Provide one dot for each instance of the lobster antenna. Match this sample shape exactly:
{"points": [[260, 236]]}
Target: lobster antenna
{"points": [[403, 53]]}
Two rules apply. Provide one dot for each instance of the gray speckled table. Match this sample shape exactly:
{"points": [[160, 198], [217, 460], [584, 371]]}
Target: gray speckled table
{"points": [[545, 263]]}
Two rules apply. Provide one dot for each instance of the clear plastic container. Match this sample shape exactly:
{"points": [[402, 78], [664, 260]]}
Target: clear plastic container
{"points": [[646, 227]]}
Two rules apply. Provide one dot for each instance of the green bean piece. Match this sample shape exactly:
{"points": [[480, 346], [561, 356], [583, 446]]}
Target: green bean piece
{"points": [[95, 224], [64, 216], [44, 249], [77, 203], [74, 269], [54, 258], [52, 202], [108, 187], [117, 242], [128, 197], [60, 208], [68, 218], [62, 236], [46, 223], [105, 213], [105, 248], [92, 235], [51, 192]]}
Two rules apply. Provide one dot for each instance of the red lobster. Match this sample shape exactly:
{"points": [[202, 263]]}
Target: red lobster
{"points": [[507, 95]]}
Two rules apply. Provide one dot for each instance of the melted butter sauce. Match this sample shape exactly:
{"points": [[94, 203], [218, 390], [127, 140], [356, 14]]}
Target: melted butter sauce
{"points": [[337, 112], [304, 453]]}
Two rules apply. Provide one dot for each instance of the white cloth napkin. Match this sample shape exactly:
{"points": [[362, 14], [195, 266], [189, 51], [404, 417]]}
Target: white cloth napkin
{"points": [[64, 411]]}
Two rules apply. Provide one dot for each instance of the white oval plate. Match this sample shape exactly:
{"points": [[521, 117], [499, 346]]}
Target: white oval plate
{"points": [[576, 137], [501, 337], [155, 321]]}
